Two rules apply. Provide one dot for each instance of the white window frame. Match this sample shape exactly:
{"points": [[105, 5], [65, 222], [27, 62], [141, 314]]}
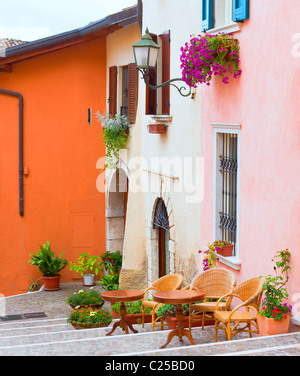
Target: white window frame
{"points": [[230, 26], [221, 128]]}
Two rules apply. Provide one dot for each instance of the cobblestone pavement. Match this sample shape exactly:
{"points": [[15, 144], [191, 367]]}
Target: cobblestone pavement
{"points": [[51, 335]]}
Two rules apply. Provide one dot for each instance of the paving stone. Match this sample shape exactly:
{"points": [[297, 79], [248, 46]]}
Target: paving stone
{"points": [[52, 336]]}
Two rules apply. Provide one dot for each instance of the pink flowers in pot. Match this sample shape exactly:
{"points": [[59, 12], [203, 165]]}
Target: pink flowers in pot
{"points": [[210, 55]]}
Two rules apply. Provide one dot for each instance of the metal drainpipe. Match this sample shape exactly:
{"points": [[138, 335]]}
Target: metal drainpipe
{"points": [[21, 167]]}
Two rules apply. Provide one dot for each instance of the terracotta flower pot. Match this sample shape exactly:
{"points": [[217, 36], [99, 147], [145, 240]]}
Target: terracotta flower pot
{"points": [[93, 306], [51, 283], [226, 251], [157, 128], [113, 313], [137, 318], [268, 327], [83, 325], [172, 322]]}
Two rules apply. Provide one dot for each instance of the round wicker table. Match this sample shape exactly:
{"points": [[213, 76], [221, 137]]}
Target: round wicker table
{"points": [[122, 296], [179, 297]]}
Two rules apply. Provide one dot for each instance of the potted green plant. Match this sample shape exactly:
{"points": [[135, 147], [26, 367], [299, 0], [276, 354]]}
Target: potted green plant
{"points": [[113, 259], [110, 281], [205, 56], [218, 247], [168, 313], [34, 286], [133, 312], [274, 314], [222, 247], [86, 318], [85, 264], [115, 131], [49, 265], [83, 299]]}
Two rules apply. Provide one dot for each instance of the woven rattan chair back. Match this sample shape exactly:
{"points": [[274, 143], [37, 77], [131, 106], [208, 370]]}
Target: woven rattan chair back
{"points": [[251, 290], [215, 282], [168, 282]]}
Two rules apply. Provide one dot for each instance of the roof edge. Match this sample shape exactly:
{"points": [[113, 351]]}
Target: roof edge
{"points": [[124, 18]]}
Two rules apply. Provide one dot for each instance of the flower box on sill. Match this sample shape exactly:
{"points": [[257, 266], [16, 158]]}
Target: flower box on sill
{"points": [[157, 128], [226, 251]]}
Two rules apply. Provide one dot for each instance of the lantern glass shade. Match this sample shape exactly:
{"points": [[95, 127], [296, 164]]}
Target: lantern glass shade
{"points": [[146, 52]]}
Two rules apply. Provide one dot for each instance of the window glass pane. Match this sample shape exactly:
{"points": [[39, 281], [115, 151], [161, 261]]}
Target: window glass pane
{"points": [[229, 167]]}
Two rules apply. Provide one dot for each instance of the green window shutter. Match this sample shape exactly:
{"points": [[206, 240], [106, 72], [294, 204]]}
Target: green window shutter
{"points": [[240, 10], [207, 15]]}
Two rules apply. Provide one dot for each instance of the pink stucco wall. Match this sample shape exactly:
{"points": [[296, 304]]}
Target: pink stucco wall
{"points": [[265, 101]]}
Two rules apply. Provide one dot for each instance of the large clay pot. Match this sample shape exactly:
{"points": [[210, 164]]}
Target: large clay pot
{"points": [[51, 283], [268, 327]]}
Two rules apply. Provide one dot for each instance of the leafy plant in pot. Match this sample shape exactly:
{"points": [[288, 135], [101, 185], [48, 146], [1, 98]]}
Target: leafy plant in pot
{"points": [[274, 315], [133, 312], [110, 282], [87, 263], [222, 247], [49, 265], [168, 312], [113, 259], [85, 299], [86, 318]]}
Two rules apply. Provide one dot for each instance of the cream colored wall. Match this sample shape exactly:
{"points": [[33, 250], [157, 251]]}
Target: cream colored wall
{"points": [[180, 142], [120, 53], [181, 138]]}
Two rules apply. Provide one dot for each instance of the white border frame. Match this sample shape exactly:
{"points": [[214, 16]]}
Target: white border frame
{"points": [[220, 128]]}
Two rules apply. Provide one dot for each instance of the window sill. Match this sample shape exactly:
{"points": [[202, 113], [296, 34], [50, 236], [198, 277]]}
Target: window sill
{"points": [[162, 118], [230, 28], [233, 262]]}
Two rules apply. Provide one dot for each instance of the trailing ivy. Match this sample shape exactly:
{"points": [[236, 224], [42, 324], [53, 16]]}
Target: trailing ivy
{"points": [[115, 135]]}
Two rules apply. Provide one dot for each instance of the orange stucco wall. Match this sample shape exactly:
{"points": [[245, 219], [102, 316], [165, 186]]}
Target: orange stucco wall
{"points": [[62, 204]]}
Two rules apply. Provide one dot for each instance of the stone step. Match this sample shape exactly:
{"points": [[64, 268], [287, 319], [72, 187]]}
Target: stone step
{"points": [[31, 323], [95, 342], [279, 345], [34, 327], [55, 337]]}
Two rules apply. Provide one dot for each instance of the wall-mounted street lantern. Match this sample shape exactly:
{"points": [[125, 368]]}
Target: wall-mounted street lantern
{"points": [[145, 55]]}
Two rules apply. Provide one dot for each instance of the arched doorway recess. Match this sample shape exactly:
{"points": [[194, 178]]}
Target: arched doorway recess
{"points": [[116, 208]]}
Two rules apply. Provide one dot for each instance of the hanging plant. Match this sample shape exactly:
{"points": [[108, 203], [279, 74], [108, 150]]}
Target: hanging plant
{"points": [[205, 56], [115, 132]]}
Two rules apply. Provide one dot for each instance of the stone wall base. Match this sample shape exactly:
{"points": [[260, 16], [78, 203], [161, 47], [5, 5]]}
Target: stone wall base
{"points": [[133, 280]]}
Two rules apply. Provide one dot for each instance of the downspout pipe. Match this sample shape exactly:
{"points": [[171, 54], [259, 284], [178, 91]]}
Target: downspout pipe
{"points": [[21, 161]]}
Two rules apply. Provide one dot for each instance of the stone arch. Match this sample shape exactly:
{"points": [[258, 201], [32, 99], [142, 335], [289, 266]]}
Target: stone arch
{"points": [[116, 208], [152, 234]]}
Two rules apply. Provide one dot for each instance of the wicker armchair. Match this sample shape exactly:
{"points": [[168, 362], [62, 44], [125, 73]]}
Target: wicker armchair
{"points": [[250, 293], [215, 283], [165, 283]]}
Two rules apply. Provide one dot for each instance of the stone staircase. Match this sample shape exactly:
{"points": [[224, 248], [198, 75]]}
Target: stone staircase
{"points": [[54, 337]]}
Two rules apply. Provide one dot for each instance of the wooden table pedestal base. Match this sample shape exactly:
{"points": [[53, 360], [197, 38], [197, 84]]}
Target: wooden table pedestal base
{"points": [[123, 323], [180, 331]]}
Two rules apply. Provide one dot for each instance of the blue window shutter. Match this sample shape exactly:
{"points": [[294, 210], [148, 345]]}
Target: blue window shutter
{"points": [[240, 10], [207, 15]]}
